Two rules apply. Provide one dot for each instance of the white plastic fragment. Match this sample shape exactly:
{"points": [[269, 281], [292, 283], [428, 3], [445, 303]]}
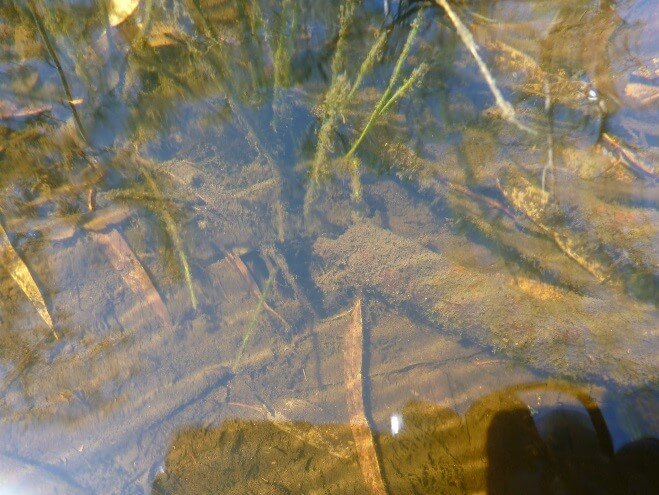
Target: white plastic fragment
{"points": [[396, 423]]}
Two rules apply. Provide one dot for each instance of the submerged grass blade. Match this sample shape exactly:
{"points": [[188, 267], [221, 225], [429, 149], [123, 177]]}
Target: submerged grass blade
{"points": [[22, 276], [123, 259], [282, 60], [336, 98], [346, 14], [262, 304], [386, 100], [240, 266], [361, 431], [395, 75], [370, 60], [410, 82], [332, 107], [172, 230]]}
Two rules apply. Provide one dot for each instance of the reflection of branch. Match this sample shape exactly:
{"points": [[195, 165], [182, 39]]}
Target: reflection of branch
{"points": [[506, 108], [60, 70]]}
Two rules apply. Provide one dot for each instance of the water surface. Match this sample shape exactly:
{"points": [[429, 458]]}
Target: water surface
{"points": [[237, 235]]}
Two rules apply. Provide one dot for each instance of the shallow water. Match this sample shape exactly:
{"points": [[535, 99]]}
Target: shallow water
{"points": [[304, 247]]}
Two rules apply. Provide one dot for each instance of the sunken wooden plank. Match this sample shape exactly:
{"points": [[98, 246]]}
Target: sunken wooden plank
{"points": [[361, 431]]}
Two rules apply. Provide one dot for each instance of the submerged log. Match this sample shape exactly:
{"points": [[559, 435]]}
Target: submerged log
{"points": [[609, 338]]}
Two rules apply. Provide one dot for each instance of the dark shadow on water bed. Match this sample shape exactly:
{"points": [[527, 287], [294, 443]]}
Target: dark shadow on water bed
{"points": [[500, 446]]}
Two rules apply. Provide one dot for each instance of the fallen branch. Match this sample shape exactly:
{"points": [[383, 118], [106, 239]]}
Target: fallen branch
{"points": [[507, 110], [123, 260], [361, 431], [628, 158]]}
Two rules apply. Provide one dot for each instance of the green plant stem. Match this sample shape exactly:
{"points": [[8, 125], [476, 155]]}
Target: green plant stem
{"points": [[170, 225], [385, 98], [369, 61], [410, 82], [254, 320], [60, 70]]}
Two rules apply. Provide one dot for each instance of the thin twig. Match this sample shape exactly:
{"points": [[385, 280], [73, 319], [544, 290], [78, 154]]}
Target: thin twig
{"points": [[506, 108], [628, 158]]}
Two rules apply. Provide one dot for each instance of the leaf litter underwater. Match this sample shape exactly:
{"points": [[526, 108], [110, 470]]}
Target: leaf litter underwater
{"points": [[243, 240]]}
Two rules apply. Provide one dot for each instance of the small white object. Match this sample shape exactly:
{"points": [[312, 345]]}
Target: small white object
{"points": [[396, 423], [592, 95]]}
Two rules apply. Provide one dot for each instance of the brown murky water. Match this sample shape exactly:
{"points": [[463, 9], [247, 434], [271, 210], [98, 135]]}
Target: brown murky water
{"points": [[309, 247]]}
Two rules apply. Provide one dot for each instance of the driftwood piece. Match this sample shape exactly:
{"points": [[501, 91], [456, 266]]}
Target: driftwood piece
{"points": [[535, 203], [577, 238], [123, 260]]}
